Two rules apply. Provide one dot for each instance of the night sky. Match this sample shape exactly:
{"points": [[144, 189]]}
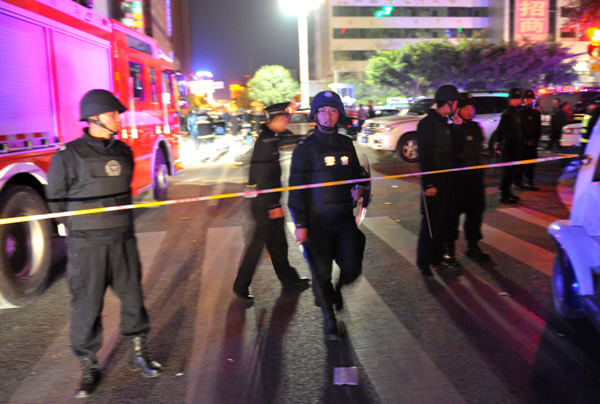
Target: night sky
{"points": [[232, 38]]}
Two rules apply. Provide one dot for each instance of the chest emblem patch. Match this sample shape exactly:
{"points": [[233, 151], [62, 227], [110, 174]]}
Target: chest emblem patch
{"points": [[344, 160], [329, 160], [113, 168]]}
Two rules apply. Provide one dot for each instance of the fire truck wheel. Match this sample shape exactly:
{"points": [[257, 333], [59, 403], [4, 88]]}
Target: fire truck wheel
{"points": [[26, 252], [160, 179], [564, 285]]}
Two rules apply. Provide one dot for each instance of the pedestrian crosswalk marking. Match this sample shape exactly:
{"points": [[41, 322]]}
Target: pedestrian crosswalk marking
{"points": [[223, 368], [58, 386], [530, 215], [529, 254], [514, 324]]}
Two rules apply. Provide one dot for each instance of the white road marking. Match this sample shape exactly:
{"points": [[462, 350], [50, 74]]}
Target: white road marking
{"points": [[58, 385]]}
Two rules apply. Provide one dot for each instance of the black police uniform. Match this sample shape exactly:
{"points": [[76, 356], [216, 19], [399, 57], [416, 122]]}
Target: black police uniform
{"points": [[531, 131], [468, 188], [94, 173], [265, 173], [508, 134], [558, 120], [435, 153], [327, 212]]}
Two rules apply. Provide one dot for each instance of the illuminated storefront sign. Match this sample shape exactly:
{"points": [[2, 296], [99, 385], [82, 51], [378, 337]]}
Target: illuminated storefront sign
{"points": [[531, 20], [132, 12]]}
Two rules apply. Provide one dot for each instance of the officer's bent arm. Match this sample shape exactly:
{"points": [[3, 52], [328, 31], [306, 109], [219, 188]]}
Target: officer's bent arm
{"points": [[57, 190], [299, 174]]}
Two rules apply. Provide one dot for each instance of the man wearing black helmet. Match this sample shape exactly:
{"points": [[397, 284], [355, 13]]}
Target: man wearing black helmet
{"points": [[95, 171], [531, 131], [324, 217], [269, 231], [435, 153], [508, 139]]}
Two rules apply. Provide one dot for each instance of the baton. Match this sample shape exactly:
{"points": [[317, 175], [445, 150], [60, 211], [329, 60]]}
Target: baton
{"points": [[426, 211]]}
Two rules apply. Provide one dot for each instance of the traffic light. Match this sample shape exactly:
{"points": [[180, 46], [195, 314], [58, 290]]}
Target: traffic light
{"points": [[385, 11]]}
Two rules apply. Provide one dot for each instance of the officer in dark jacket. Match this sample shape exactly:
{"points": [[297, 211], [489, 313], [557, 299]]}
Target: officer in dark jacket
{"points": [[509, 139], [435, 153], [531, 131], [468, 189], [558, 119], [265, 173], [95, 171], [324, 217]]}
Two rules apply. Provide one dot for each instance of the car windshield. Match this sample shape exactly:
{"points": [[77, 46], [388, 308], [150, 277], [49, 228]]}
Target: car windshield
{"points": [[420, 107]]}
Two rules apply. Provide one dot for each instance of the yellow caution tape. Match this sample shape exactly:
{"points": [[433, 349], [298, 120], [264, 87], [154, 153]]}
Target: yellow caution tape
{"points": [[22, 219]]}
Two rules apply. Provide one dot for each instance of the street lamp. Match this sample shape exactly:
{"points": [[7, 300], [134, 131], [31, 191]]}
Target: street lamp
{"points": [[301, 8]]}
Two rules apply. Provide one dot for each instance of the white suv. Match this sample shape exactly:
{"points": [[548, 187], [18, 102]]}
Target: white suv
{"points": [[397, 134]]}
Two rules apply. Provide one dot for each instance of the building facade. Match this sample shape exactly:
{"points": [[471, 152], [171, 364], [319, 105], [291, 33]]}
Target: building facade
{"points": [[349, 32]]}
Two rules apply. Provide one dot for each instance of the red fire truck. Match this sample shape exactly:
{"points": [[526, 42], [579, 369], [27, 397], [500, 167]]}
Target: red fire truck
{"points": [[53, 52]]}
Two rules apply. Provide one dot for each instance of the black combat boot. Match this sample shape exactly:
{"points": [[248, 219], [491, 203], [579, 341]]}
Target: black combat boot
{"points": [[331, 326], [449, 251], [140, 360], [475, 253], [90, 377], [338, 298]]}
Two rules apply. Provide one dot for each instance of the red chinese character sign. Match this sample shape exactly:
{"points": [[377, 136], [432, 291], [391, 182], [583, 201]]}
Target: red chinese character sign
{"points": [[531, 20]]}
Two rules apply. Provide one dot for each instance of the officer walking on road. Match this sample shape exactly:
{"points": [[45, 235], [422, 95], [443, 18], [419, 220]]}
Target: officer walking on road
{"points": [[508, 139], [531, 132], [95, 171], [269, 230], [468, 188], [435, 153], [324, 217]]}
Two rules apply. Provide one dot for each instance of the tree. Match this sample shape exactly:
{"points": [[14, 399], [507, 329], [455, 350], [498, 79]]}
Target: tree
{"points": [[585, 13], [471, 64], [272, 84]]}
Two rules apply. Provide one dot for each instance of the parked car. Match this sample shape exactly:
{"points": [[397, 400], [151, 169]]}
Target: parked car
{"points": [[299, 128], [576, 269], [396, 134], [571, 135]]}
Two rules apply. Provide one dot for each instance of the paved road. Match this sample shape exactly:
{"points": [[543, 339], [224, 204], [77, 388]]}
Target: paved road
{"points": [[475, 334]]}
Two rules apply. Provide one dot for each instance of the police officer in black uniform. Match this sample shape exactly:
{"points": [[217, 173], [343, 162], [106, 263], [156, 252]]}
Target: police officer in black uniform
{"points": [[95, 171], [435, 153], [265, 173], [468, 189], [531, 132], [508, 140], [324, 217]]}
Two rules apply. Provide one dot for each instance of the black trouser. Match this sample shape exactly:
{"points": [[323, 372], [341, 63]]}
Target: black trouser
{"points": [[555, 139], [345, 244], [90, 270], [434, 229], [510, 174], [528, 152], [270, 233], [468, 197]]}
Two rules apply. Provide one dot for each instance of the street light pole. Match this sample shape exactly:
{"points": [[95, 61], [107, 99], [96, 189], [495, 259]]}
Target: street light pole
{"points": [[301, 8], [303, 46]]}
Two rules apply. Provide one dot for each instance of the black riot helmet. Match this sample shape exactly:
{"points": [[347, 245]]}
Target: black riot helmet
{"points": [[528, 94], [327, 99], [96, 102]]}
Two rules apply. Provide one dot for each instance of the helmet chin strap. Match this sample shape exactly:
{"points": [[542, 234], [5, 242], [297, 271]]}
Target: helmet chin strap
{"points": [[326, 128], [97, 122]]}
